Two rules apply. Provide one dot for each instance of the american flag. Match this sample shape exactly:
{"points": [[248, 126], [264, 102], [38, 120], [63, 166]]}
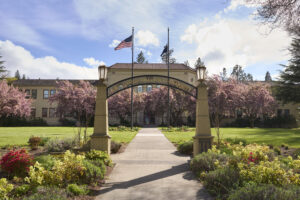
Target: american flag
{"points": [[125, 43]]}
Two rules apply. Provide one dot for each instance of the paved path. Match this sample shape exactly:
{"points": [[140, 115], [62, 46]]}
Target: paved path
{"points": [[150, 169]]}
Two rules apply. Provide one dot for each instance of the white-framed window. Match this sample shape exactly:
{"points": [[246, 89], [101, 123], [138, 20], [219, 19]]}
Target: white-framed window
{"points": [[140, 88], [158, 86], [149, 88]]}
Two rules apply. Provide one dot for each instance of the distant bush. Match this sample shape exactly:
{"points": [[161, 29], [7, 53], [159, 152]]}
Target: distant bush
{"points": [[67, 122], [16, 162], [44, 140], [34, 142], [186, 148], [237, 141], [61, 145], [48, 193], [265, 192], [18, 121], [115, 146], [123, 128]]}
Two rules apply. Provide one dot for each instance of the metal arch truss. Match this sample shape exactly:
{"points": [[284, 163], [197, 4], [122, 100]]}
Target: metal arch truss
{"points": [[151, 80]]}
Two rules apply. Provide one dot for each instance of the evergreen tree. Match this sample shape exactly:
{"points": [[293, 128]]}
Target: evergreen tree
{"points": [[186, 63], [23, 77], [239, 74], [268, 77], [164, 57], [17, 75], [198, 62], [3, 71], [288, 89], [141, 58], [223, 74]]}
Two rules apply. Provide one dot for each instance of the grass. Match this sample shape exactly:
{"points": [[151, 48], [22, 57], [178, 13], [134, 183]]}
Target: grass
{"points": [[20, 135], [274, 136]]}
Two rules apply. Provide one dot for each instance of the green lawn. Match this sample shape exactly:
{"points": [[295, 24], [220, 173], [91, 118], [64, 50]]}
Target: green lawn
{"points": [[275, 136], [20, 135]]}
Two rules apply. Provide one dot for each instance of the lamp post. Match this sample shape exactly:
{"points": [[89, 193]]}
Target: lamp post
{"points": [[100, 140], [203, 138]]}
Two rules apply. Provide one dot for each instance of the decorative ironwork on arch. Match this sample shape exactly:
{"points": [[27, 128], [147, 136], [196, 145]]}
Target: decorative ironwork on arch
{"points": [[151, 80]]}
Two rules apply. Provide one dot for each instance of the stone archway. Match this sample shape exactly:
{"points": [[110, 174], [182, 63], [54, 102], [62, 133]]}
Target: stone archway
{"points": [[101, 140]]}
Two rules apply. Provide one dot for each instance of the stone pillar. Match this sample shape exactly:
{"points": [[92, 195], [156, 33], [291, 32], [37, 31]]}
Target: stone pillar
{"points": [[203, 138], [100, 140]]}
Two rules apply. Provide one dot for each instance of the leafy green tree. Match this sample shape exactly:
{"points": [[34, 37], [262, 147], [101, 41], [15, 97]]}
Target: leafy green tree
{"points": [[17, 75], [223, 74], [239, 74], [23, 77], [164, 57], [198, 62], [141, 58], [268, 77], [3, 71], [289, 88]]}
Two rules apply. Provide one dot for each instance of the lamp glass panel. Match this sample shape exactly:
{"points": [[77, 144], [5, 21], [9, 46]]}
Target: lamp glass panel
{"points": [[198, 73]]}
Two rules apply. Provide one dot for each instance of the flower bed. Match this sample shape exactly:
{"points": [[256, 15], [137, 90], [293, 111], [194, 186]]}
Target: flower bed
{"points": [[233, 171], [63, 176]]}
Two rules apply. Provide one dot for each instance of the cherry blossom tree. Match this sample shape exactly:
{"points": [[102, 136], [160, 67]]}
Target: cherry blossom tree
{"points": [[256, 101], [78, 100], [223, 98], [13, 102]]}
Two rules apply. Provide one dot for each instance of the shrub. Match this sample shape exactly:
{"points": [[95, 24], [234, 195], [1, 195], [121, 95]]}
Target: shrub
{"points": [[34, 142], [16, 162], [296, 153], [237, 141], [47, 161], [21, 190], [99, 155], [277, 150], [93, 173], [221, 181], [186, 148], [44, 140], [205, 162], [115, 146], [5, 188], [76, 190], [60, 145], [48, 193], [265, 192]]}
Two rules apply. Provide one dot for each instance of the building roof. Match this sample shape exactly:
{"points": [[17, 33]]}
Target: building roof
{"points": [[176, 66], [45, 82]]}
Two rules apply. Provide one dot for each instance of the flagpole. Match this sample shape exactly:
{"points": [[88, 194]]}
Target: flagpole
{"points": [[132, 50], [168, 60]]}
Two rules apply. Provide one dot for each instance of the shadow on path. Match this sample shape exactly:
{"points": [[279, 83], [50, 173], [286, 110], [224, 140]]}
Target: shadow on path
{"points": [[152, 177]]}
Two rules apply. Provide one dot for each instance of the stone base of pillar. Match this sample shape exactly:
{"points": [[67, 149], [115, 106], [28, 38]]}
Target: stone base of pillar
{"points": [[202, 144], [101, 142]]}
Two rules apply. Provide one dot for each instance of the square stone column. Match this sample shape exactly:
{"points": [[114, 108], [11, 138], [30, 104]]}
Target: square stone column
{"points": [[100, 140], [203, 138]]}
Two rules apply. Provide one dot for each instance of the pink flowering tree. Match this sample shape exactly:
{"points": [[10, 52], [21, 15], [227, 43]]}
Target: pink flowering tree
{"points": [[224, 97], [13, 101], [256, 101], [119, 105], [78, 100]]}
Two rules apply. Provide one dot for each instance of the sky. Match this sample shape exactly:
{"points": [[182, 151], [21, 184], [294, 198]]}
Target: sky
{"points": [[69, 39]]}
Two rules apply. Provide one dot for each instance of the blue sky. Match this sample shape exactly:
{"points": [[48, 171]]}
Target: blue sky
{"points": [[68, 39]]}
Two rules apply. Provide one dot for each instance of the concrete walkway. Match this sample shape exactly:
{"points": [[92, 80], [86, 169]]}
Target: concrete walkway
{"points": [[150, 169]]}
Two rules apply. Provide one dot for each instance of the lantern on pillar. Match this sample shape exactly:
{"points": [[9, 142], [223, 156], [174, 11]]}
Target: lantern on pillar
{"points": [[201, 72], [102, 70]]}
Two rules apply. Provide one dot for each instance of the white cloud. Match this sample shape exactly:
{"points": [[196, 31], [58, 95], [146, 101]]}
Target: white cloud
{"points": [[93, 62], [145, 38], [114, 43], [16, 57], [234, 4], [224, 43]]}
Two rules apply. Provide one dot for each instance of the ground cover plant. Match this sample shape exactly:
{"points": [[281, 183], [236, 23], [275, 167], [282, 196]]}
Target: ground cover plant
{"points": [[250, 172], [272, 136], [55, 177]]}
